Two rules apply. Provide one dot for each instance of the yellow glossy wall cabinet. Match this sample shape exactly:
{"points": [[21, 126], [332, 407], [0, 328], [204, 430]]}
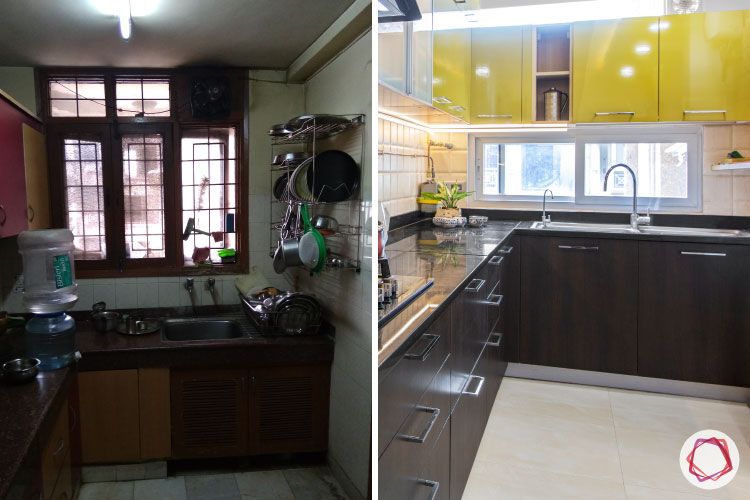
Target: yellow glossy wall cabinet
{"points": [[704, 71], [616, 70], [496, 75], [451, 69]]}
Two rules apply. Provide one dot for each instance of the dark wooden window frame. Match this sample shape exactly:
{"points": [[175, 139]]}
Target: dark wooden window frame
{"points": [[107, 130]]}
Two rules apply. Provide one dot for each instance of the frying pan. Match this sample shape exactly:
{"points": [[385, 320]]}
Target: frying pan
{"points": [[334, 178], [280, 131], [280, 187]]}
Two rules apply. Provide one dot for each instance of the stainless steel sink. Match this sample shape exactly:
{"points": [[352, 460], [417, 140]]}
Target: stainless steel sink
{"points": [[200, 329], [625, 228]]}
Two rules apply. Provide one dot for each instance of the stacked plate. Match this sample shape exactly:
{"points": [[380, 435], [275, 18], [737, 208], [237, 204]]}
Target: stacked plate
{"points": [[288, 313]]}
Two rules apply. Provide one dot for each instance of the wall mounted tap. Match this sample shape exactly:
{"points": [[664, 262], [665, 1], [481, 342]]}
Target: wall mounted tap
{"points": [[546, 219], [635, 219], [189, 282]]}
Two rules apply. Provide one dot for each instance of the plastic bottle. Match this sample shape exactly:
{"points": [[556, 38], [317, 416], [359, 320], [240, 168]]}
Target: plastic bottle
{"points": [[49, 275], [51, 339]]}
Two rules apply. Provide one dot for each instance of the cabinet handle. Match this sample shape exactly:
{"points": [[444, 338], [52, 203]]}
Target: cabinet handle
{"points": [[704, 111], [496, 260], [495, 343], [30, 213], [506, 250], [580, 248], [479, 386], [60, 447], [705, 254], [428, 348], [4, 215], [74, 420], [435, 485], [612, 113], [435, 413], [494, 116], [494, 299], [475, 285], [441, 99]]}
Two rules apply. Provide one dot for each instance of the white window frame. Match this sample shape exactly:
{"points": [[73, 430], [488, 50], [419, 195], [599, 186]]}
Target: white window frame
{"points": [[581, 135]]}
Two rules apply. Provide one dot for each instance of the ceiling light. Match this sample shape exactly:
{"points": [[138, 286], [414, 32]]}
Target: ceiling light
{"points": [[125, 20], [138, 8]]}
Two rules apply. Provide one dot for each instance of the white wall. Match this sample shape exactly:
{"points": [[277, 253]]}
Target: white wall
{"points": [[18, 82], [344, 87]]}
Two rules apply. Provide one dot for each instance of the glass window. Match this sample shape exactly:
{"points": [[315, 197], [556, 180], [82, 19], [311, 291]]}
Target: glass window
{"points": [[77, 97], [84, 196], [527, 169], [661, 169], [142, 96]]}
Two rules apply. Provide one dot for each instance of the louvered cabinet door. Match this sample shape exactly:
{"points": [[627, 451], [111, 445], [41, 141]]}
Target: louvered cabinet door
{"points": [[209, 413], [289, 409]]}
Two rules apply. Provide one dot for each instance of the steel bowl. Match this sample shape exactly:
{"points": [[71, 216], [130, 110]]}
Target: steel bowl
{"points": [[105, 321], [21, 370]]}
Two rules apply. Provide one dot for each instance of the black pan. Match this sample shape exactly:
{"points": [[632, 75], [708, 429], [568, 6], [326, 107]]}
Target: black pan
{"points": [[335, 178], [279, 187]]}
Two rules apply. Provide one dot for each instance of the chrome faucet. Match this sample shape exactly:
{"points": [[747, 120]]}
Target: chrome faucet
{"points": [[546, 219], [189, 285], [635, 219]]}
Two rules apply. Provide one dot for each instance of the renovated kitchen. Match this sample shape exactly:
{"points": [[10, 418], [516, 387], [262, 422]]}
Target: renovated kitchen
{"points": [[185, 268], [563, 259]]}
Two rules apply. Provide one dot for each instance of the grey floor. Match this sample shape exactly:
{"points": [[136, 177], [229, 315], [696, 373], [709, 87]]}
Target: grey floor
{"points": [[309, 483]]}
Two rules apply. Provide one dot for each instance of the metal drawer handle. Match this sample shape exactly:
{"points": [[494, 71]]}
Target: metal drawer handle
{"points": [[494, 116], [494, 299], [475, 285], [495, 343], [705, 254], [496, 260], [610, 113], [704, 111], [435, 412], [479, 386], [435, 485], [5, 216], [506, 250], [60, 447], [428, 348], [31, 213], [578, 247]]}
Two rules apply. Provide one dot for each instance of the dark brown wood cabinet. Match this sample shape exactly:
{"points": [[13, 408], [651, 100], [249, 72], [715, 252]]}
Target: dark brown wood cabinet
{"points": [[579, 299], [693, 321]]}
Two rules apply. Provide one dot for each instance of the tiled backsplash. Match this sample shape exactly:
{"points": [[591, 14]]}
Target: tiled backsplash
{"points": [[399, 177]]}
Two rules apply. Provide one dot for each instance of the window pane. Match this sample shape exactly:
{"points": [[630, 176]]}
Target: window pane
{"points": [[207, 194], [661, 169], [139, 95], [72, 97], [142, 173], [528, 169], [85, 198]]}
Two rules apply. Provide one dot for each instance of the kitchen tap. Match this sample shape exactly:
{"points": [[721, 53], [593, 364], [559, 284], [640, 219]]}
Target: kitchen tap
{"points": [[189, 285], [635, 219], [546, 219]]}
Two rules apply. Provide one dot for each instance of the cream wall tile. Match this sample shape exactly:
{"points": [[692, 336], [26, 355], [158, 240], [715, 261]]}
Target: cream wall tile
{"points": [[741, 137], [126, 295], [148, 293], [717, 137], [168, 294], [717, 195], [85, 297], [104, 291]]}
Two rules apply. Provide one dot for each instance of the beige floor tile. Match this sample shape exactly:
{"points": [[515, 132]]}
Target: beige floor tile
{"points": [[264, 485], [635, 492], [504, 481], [579, 395], [106, 491], [171, 488], [552, 444]]}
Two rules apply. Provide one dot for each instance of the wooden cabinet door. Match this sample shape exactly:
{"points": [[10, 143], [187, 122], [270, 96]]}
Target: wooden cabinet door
{"points": [[616, 70], [451, 66], [704, 67], [109, 416], [209, 413], [511, 288], [496, 75], [392, 55], [13, 184], [56, 455], [579, 301], [692, 313], [37, 182], [289, 409]]}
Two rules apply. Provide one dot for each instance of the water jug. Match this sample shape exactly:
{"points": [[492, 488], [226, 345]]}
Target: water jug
{"points": [[49, 275]]}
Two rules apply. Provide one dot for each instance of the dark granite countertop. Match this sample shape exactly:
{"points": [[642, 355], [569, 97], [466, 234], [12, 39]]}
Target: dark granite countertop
{"points": [[451, 256], [24, 409]]}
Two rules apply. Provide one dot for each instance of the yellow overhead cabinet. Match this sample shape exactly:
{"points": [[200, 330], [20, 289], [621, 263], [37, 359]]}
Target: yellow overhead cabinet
{"points": [[496, 75], [451, 69], [616, 70], [704, 71]]}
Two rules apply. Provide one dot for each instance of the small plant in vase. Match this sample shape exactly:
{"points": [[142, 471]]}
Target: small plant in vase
{"points": [[448, 196]]}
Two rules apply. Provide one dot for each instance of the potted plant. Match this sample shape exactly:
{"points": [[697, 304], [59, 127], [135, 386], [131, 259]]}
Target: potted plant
{"points": [[448, 196]]}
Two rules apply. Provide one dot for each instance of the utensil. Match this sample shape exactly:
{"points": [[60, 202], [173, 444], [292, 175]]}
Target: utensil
{"points": [[130, 325], [280, 130], [335, 177], [103, 320], [290, 159], [325, 224], [21, 370], [298, 182], [310, 249], [281, 187], [326, 125], [555, 104]]}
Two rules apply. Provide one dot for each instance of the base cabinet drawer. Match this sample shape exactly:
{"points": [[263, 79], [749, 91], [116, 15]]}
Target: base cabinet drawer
{"points": [[435, 478]]}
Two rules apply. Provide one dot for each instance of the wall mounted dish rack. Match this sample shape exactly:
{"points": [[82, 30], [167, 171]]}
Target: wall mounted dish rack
{"points": [[317, 161]]}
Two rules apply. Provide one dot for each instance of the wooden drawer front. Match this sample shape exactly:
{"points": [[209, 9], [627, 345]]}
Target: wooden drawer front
{"points": [[496, 293], [64, 487], [56, 452], [435, 477], [408, 454], [402, 388], [209, 413]]}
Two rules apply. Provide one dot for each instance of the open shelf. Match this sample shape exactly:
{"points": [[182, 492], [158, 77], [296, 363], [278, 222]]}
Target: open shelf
{"points": [[552, 68], [737, 165]]}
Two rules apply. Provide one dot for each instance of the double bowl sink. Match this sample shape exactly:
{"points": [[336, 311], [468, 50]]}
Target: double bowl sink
{"points": [[645, 230]]}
